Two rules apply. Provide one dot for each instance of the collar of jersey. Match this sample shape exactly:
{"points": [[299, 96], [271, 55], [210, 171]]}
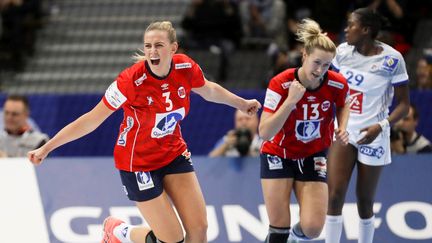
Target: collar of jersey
{"points": [[156, 76], [324, 78]]}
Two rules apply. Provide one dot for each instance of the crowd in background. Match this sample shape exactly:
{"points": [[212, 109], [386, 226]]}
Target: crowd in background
{"points": [[226, 25], [20, 19]]}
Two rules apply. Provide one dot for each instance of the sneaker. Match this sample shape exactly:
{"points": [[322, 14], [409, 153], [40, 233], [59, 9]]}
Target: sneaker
{"points": [[108, 227]]}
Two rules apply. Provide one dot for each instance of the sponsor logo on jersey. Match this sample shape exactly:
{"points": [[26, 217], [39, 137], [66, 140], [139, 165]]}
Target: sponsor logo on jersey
{"points": [[114, 96], [123, 135], [144, 180], [335, 84], [272, 99], [390, 63], [373, 152], [274, 162], [165, 123], [286, 85], [149, 100], [181, 92], [164, 86], [187, 155], [308, 130], [320, 166], [139, 81], [311, 98], [183, 65], [356, 101], [325, 105]]}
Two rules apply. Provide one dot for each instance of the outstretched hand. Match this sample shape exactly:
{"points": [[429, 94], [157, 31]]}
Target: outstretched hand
{"points": [[37, 156], [250, 107]]}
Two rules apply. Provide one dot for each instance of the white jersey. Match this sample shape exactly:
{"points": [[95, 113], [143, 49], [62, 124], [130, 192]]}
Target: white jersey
{"points": [[371, 80]]}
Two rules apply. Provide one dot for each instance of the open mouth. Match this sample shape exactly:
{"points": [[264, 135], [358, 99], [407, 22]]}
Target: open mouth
{"points": [[155, 61], [315, 75]]}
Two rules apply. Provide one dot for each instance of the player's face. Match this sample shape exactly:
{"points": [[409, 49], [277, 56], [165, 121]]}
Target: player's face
{"points": [[243, 120], [15, 115], [158, 50], [316, 64], [354, 30]]}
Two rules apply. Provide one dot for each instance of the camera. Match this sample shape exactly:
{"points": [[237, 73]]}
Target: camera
{"points": [[244, 140]]}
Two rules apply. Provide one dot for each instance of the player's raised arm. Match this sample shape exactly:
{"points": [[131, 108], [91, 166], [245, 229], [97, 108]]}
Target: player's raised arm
{"points": [[213, 92], [82, 126]]}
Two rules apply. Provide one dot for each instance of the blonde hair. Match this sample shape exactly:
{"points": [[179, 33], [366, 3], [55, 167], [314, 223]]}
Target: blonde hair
{"points": [[310, 33], [162, 26]]}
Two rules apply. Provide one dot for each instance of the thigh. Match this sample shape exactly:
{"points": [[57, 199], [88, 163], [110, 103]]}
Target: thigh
{"points": [[340, 164], [161, 217], [367, 181], [312, 197], [185, 192], [276, 194]]}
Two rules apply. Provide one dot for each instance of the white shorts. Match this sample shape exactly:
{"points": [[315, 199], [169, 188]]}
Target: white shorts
{"points": [[376, 153]]}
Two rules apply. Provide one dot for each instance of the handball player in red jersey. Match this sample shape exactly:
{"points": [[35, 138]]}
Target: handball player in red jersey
{"points": [[152, 157], [297, 125]]}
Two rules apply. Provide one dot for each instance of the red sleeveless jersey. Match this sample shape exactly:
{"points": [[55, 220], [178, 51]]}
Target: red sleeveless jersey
{"points": [[309, 128], [150, 136]]}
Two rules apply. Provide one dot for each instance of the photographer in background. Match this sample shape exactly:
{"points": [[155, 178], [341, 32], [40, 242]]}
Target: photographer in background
{"points": [[404, 132], [241, 141]]}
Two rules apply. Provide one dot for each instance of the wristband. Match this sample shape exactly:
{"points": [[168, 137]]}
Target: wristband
{"points": [[384, 124]]}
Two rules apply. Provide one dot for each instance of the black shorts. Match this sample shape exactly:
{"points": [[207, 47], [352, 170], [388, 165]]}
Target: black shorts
{"points": [[145, 185], [312, 168]]}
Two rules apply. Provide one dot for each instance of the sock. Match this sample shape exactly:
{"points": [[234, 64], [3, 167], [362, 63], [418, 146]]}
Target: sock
{"points": [[366, 230], [333, 228], [123, 232], [296, 233], [277, 234]]}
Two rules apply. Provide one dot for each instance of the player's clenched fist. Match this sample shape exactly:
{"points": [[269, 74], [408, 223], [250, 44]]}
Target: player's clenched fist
{"points": [[296, 91], [36, 156]]}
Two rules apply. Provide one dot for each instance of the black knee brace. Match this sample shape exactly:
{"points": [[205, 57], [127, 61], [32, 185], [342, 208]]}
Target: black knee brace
{"points": [[277, 235], [151, 238]]}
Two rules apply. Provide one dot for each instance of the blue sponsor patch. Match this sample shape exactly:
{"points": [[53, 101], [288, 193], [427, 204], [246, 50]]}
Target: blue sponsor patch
{"points": [[373, 152], [390, 63], [169, 121]]}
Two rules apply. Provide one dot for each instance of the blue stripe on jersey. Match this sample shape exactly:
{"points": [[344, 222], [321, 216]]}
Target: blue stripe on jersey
{"points": [[333, 68], [401, 83]]}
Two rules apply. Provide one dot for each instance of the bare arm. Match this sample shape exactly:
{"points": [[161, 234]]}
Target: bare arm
{"points": [[213, 92], [400, 111], [82, 126], [229, 141], [342, 115], [403, 103]]}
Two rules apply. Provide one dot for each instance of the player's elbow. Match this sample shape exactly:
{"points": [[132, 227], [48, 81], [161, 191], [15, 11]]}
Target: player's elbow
{"points": [[264, 133]]}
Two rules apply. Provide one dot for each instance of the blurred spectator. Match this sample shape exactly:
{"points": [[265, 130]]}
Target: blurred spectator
{"points": [[265, 19], [423, 75], [20, 19], [213, 25], [18, 137], [241, 141], [413, 142]]}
